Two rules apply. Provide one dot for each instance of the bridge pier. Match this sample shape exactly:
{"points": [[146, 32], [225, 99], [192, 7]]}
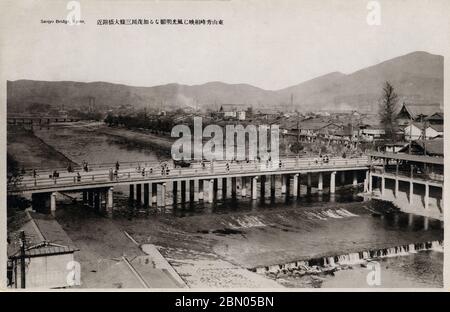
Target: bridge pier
{"points": [[370, 182], [154, 193], [53, 202], [187, 191], [396, 194], [283, 184], [288, 185], [333, 182], [366, 182], [211, 191], [320, 182], [219, 188], [238, 186], [295, 191], [244, 187], [254, 188], [233, 187], [90, 198], [308, 181], [161, 195], [227, 188], [110, 202], [355, 178], [131, 197], [200, 189], [427, 196], [196, 199], [177, 190], [138, 194], [97, 200], [383, 184], [265, 185], [85, 197], [273, 184], [146, 194], [169, 193]]}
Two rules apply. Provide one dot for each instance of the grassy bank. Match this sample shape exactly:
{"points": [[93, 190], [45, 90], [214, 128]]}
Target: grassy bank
{"points": [[31, 152]]}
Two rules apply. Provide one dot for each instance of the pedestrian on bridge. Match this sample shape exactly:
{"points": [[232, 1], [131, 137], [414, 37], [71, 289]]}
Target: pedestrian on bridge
{"points": [[85, 166], [34, 173], [117, 165], [78, 177]]}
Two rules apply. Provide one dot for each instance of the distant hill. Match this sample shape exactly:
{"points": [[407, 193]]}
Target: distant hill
{"points": [[417, 77]]}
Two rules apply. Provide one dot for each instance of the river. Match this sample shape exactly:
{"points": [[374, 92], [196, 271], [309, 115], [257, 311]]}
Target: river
{"points": [[269, 232]]}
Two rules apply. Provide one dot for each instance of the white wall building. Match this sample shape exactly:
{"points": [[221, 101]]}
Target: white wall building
{"points": [[413, 132]]}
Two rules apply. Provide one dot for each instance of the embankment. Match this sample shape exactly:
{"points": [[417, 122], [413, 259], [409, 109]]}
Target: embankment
{"points": [[32, 152]]}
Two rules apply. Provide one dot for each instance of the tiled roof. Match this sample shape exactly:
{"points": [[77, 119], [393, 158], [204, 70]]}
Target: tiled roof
{"points": [[433, 147], [438, 128], [45, 249], [416, 110], [232, 107], [436, 116], [44, 236]]}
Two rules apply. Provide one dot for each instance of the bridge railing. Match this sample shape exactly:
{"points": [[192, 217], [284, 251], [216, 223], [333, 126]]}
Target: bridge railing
{"points": [[157, 164], [406, 173], [214, 168]]}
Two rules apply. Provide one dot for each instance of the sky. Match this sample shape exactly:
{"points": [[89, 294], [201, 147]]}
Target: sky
{"points": [[269, 44]]}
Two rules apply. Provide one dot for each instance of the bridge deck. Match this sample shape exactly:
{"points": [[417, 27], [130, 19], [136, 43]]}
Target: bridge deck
{"points": [[101, 177]]}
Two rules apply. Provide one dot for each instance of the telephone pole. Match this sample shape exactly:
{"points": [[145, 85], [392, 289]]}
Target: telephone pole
{"points": [[22, 259]]}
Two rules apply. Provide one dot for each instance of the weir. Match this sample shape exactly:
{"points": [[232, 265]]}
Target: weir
{"points": [[352, 258]]}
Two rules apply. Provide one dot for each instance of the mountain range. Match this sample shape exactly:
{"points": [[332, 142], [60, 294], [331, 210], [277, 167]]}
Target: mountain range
{"points": [[417, 77]]}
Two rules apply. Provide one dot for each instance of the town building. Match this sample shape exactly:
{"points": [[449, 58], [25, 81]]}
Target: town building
{"points": [[434, 131], [433, 148], [415, 131], [416, 112], [436, 119], [48, 254], [233, 111], [369, 133]]}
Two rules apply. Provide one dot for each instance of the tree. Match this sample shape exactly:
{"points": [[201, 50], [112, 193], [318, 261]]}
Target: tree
{"points": [[388, 110], [13, 173], [14, 177]]}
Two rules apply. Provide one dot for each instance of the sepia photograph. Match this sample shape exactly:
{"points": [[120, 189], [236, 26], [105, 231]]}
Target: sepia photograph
{"points": [[211, 145]]}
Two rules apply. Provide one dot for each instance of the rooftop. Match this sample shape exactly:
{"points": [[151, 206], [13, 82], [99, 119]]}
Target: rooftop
{"points": [[438, 128], [416, 110], [232, 108], [44, 236], [408, 157]]}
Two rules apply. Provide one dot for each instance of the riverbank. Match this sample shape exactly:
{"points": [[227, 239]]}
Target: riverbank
{"points": [[97, 143], [139, 136], [32, 152], [199, 247]]}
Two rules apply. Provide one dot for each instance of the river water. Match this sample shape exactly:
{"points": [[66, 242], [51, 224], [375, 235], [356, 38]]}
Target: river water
{"points": [[277, 231]]}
